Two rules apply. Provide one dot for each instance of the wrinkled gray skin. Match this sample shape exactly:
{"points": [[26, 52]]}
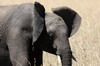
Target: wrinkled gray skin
{"points": [[60, 25], [20, 26]]}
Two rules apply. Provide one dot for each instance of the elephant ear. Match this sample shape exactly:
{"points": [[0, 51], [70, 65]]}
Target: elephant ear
{"points": [[40, 9], [38, 20], [71, 18]]}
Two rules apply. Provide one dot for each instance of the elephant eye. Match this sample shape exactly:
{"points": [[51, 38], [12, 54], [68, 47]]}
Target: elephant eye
{"points": [[27, 29], [52, 36], [27, 32]]}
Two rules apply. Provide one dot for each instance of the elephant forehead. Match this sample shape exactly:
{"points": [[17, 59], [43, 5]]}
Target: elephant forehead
{"points": [[53, 21], [23, 16]]}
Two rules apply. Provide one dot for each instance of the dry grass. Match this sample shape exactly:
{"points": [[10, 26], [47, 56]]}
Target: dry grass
{"points": [[85, 43]]}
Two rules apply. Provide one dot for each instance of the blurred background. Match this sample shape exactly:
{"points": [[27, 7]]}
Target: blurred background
{"points": [[85, 44]]}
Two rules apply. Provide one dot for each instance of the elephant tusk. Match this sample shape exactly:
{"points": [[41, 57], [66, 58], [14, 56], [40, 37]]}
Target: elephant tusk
{"points": [[59, 60], [20, 63], [28, 61], [17, 62]]}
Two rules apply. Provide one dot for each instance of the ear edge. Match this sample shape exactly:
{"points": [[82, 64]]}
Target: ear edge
{"points": [[76, 19], [40, 9]]}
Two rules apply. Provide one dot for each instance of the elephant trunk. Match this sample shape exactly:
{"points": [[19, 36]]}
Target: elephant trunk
{"points": [[64, 51], [66, 58]]}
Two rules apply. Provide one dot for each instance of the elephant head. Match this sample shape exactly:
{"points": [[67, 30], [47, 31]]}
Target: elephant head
{"points": [[20, 30], [60, 25]]}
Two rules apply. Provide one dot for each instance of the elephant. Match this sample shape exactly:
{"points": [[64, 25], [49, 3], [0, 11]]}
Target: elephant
{"points": [[59, 27], [20, 27]]}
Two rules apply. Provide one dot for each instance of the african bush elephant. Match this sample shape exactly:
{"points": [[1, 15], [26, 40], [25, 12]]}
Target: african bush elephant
{"points": [[20, 26], [60, 25]]}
